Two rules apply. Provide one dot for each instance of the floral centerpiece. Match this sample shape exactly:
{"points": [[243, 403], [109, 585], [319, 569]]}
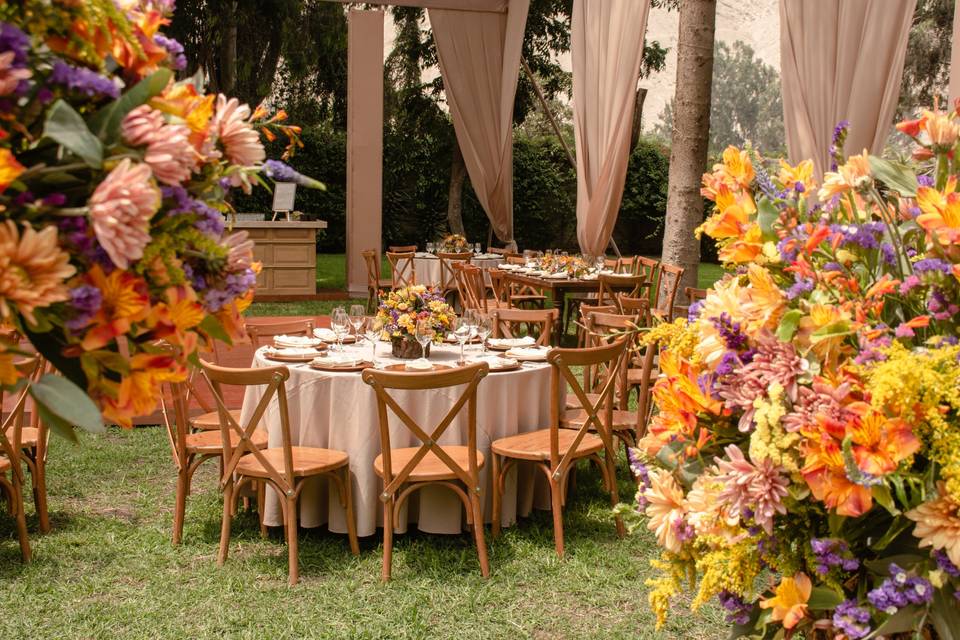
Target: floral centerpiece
{"points": [[573, 266], [401, 309], [454, 243], [803, 462], [113, 186]]}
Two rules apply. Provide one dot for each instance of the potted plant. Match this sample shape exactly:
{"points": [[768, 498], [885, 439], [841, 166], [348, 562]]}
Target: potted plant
{"points": [[400, 310]]}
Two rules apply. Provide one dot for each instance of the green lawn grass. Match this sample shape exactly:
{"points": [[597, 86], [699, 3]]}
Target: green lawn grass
{"points": [[108, 570]]}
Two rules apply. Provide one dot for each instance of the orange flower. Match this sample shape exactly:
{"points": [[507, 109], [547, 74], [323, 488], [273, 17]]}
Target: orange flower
{"points": [[680, 400], [879, 443], [940, 212], [183, 101], [138, 391], [802, 175], [852, 176], [124, 301], [33, 270], [789, 602], [938, 523], [173, 320], [745, 249], [10, 169], [825, 474], [731, 217]]}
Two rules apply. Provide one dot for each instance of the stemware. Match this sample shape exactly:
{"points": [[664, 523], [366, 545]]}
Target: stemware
{"points": [[372, 328], [424, 334], [601, 263], [357, 312], [461, 331], [470, 319], [429, 247], [340, 324], [484, 328], [476, 249]]}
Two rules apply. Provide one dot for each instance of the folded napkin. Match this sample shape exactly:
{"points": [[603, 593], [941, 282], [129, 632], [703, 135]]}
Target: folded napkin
{"points": [[528, 353], [589, 276], [495, 362], [289, 351], [506, 266], [337, 360], [563, 275], [536, 272], [325, 334], [420, 364], [423, 254], [507, 343], [295, 341]]}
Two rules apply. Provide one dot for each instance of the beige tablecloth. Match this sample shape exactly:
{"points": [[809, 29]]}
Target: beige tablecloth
{"points": [[339, 411], [428, 268]]}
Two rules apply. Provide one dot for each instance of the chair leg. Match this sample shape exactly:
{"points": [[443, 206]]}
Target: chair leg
{"points": [[16, 503], [387, 539], [557, 503], [262, 507], [180, 507], [478, 535], [40, 496], [497, 497], [225, 523], [614, 497], [292, 557], [351, 518]]}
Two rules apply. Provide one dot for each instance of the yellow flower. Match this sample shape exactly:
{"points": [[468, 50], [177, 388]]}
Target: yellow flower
{"points": [[664, 508], [33, 270], [802, 175], [10, 169], [938, 524], [139, 390], [852, 176], [940, 212], [789, 603]]}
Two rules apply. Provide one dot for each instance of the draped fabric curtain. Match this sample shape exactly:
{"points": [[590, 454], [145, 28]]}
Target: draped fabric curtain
{"points": [[460, 5], [479, 56], [955, 57], [607, 48], [841, 60]]}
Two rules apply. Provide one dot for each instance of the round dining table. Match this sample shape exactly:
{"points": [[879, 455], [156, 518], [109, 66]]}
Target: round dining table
{"points": [[427, 267], [337, 410]]}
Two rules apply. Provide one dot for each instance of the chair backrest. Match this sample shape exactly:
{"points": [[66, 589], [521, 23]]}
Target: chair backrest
{"points": [[611, 284], [645, 393], [262, 332], [273, 380], [639, 307], [671, 275], [623, 264], [514, 323], [469, 279], [402, 269], [383, 382], [694, 294], [373, 268], [598, 414], [174, 407], [448, 262], [402, 248], [650, 267], [11, 428], [602, 328], [500, 286]]}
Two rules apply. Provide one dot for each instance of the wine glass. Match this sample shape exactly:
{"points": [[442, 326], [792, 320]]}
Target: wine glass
{"points": [[340, 323], [470, 319], [429, 247], [424, 334], [601, 263], [484, 328], [476, 249], [357, 311], [372, 328], [461, 331]]}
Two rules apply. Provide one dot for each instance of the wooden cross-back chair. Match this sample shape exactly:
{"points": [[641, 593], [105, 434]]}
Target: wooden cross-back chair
{"points": [[403, 271], [515, 323], [449, 264], [670, 280], [262, 333], [556, 450], [585, 310], [11, 449], [638, 307], [649, 267], [623, 264], [642, 378], [610, 285], [375, 281], [402, 248], [286, 468], [192, 448], [429, 463], [499, 287], [473, 290], [34, 440]]}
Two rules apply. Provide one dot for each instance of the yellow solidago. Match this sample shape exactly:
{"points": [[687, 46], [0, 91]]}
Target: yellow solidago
{"points": [[725, 566], [673, 573], [679, 336], [769, 439], [921, 387]]}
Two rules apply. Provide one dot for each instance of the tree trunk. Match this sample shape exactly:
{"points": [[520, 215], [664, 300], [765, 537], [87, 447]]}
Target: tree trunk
{"points": [[228, 57], [458, 173], [637, 117], [691, 133]]}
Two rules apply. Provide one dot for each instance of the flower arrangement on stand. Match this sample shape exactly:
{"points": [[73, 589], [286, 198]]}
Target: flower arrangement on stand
{"points": [[114, 179], [401, 309], [454, 243], [802, 465]]}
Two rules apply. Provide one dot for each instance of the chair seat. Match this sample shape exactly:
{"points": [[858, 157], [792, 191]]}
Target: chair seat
{"points": [[535, 445], [430, 468], [211, 421], [622, 420], [29, 437], [307, 461], [210, 441], [635, 377]]}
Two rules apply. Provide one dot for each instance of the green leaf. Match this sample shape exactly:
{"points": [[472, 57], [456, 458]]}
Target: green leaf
{"points": [[897, 527], [67, 401], [788, 325], [824, 598], [832, 330], [881, 566], [895, 175], [106, 122], [67, 128], [904, 620], [57, 424], [212, 327], [945, 615], [881, 493], [766, 215]]}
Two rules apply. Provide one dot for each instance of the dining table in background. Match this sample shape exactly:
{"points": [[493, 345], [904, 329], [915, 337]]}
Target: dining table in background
{"points": [[558, 288], [427, 266]]}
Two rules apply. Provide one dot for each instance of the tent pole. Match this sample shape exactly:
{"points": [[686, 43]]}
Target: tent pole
{"points": [[546, 110]]}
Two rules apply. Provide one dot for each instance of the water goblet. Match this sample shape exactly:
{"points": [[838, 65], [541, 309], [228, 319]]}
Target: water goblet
{"points": [[461, 331], [340, 324], [484, 328], [429, 247], [357, 311], [424, 334], [372, 328]]}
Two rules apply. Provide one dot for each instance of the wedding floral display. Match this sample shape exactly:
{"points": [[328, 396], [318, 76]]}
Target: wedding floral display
{"points": [[573, 266], [454, 243], [114, 180], [401, 309], [802, 466]]}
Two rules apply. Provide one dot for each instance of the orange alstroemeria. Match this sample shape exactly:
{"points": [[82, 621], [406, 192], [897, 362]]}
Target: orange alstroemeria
{"points": [[183, 101], [147, 55], [731, 216], [880, 443], [746, 249], [173, 320], [124, 301], [826, 475], [789, 602], [940, 212], [802, 175], [10, 169], [138, 391], [854, 175]]}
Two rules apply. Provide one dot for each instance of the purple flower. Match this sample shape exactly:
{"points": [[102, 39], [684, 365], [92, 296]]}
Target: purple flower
{"points": [[909, 283], [831, 553], [208, 220], [889, 255], [13, 39], [900, 590], [738, 610], [836, 143], [178, 60], [694, 311], [729, 331], [281, 172], [83, 80], [800, 287], [925, 181], [944, 563], [852, 619], [905, 331], [932, 265], [86, 301], [865, 236]]}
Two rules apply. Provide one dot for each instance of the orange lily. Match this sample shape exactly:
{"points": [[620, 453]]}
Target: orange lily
{"points": [[10, 169], [879, 443], [789, 602], [124, 301]]}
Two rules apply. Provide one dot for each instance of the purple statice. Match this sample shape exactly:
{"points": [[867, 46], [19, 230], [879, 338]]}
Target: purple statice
{"points": [[235, 285], [900, 590], [738, 610], [75, 230], [86, 301], [800, 287], [766, 184], [871, 350], [944, 563], [888, 253], [940, 306], [832, 266], [282, 172], [13, 40], [730, 332], [932, 265], [925, 181], [208, 220], [694, 311], [729, 361], [837, 141], [683, 531], [830, 553], [178, 61], [865, 236], [81, 80], [639, 469], [852, 619]]}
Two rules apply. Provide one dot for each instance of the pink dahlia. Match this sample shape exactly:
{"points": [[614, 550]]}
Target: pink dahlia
{"points": [[121, 208], [10, 76], [751, 489], [170, 154], [240, 142], [141, 126], [239, 251]]}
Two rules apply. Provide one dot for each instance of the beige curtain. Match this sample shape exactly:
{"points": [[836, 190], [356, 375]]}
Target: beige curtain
{"points": [[607, 48], [955, 57], [479, 56], [840, 60], [460, 5]]}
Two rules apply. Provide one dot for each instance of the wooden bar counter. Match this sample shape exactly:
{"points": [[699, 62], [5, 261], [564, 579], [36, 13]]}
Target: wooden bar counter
{"points": [[288, 252]]}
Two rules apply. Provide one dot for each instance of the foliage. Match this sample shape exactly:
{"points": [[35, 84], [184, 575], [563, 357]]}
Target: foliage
{"points": [[926, 70], [807, 415], [745, 102], [113, 185]]}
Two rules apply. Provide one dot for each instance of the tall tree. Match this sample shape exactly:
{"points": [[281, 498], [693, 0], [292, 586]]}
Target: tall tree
{"points": [[926, 71], [691, 136]]}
